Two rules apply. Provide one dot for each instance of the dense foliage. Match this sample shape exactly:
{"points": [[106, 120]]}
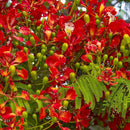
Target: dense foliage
{"points": [[62, 67]]}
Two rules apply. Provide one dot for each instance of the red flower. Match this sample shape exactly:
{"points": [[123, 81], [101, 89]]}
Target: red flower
{"points": [[82, 117], [107, 76], [22, 73], [71, 94], [19, 110]]}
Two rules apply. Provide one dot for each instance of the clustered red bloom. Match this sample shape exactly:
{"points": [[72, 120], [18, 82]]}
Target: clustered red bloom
{"points": [[45, 46]]}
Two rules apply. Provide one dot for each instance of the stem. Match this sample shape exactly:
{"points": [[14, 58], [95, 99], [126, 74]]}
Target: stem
{"points": [[72, 8], [42, 124]]}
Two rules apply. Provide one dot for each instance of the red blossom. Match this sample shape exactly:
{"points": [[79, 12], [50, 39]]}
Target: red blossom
{"points": [[22, 73], [71, 94]]}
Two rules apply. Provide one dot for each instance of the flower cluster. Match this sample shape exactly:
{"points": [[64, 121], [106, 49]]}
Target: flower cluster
{"points": [[45, 46]]}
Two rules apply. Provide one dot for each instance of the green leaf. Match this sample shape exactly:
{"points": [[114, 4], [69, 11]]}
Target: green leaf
{"points": [[27, 106], [12, 106], [78, 98]]}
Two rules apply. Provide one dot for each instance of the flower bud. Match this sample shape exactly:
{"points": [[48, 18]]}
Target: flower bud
{"points": [[15, 89], [65, 103], [41, 127], [1, 26], [25, 115], [53, 34], [24, 13], [43, 51], [12, 70], [29, 86], [38, 92], [51, 52], [115, 61], [44, 57], [53, 48], [118, 55], [96, 16], [32, 40], [34, 75], [64, 47], [45, 66], [107, 93], [34, 117], [72, 77], [111, 57], [120, 64], [98, 21], [77, 65], [86, 18], [39, 56], [45, 80], [85, 68], [122, 48], [105, 57], [31, 57], [110, 35]]}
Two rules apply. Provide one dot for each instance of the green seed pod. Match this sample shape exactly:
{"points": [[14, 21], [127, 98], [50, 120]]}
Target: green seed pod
{"points": [[38, 92], [54, 119], [12, 70], [45, 80], [86, 18], [105, 57], [25, 49], [120, 64], [34, 75], [29, 86], [31, 57], [64, 47], [24, 13], [126, 37], [110, 35], [77, 65], [118, 55], [32, 40], [72, 77], [98, 21], [115, 61], [65, 103], [25, 115], [111, 57], [122, 48], [51, 52], [89, 57], [107, 93]]}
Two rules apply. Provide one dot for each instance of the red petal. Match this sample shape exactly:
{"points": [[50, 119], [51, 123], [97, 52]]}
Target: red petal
{"points": [[24, 30], [43, 113], [22, 73], [25, 95], [20, 57], [18, 38], [65, 116], [19, 110], [71, 94]]}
